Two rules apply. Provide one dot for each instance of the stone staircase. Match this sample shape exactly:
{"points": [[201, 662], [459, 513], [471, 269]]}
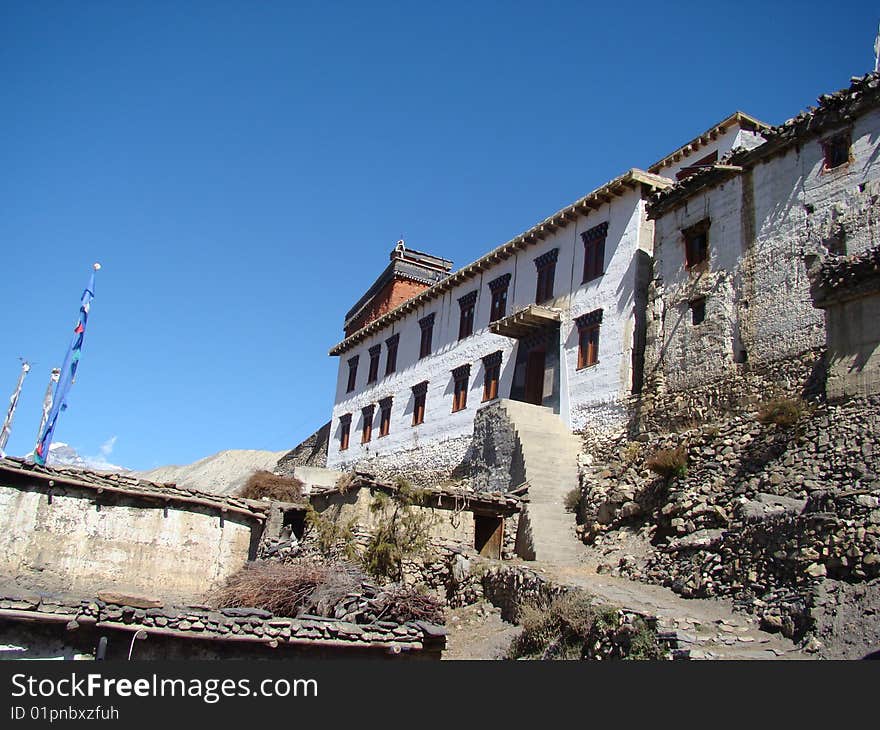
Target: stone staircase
{"points": [[550, 455]]}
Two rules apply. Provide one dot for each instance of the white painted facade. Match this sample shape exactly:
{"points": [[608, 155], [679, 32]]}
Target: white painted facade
{"points": [[756, 287], [589, 398]]}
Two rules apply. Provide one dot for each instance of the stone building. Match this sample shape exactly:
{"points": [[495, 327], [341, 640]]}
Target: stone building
{"points": [[554, 318], [748, 252]]}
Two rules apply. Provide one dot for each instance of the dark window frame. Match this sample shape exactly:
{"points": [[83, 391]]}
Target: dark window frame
{"points": [[588, 326], [375, 354], [467, 308], [836, 150], [594, 252], [546, 275], [385, 416], [352, 373], [345, 431], [391, 345], [460, 377], [696, 244], [427, 325], [420, 397], [491, 375], [499, 287], [367, 415], [698, 310]]}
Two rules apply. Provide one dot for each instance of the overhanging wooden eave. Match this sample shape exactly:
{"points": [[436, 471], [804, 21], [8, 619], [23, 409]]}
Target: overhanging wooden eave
{"points": [[525, 322]]}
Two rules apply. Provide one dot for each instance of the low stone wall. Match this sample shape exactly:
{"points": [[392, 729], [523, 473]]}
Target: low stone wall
{"points": [[63, 537]]}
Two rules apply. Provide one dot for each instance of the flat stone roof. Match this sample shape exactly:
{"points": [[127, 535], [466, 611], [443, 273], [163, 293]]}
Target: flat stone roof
{"points": [[124, 484]]}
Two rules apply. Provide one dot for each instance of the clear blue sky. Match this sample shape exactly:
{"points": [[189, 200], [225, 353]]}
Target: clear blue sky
{"points": [[242, 170]]}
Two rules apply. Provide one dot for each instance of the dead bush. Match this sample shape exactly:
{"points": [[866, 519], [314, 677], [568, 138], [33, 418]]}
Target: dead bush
{"points": [[403, 603], [266, 485], [345, 482], [669, 463], [573, 500], [557, 630], [781, 411], [400, 532], [284, 589]]}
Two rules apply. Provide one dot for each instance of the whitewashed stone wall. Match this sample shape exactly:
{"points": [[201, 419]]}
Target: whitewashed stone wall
{"points": [[592, 398], [72, 545], [766, 223], [601, 387]]}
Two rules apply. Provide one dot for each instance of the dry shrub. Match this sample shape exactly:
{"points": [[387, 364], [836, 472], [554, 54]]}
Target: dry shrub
{"points": [[345, 482], [400, 532], [781, 411], [669, 463], [403, 603], [283, 589], [266, 485], [573, 500], [559, 629]]}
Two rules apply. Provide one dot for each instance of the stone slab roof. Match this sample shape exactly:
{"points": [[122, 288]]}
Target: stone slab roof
{"points": [[442, 497], [130, 486], [834, 110], [225, 625]]}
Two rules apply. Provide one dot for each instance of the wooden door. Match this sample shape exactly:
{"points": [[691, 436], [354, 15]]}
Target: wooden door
{"points": [[535, 377], [488, 535]]}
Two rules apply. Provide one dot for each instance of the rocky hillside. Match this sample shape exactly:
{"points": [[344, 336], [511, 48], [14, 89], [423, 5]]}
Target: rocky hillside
{"points": [[779, 513], [222, 473]]}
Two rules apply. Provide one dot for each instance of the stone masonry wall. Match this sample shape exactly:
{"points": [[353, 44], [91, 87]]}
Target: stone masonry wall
{"points": [[71, 540]]}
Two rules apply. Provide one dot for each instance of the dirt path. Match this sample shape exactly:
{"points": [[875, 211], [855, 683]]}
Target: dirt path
{"points": [[477, 632]]}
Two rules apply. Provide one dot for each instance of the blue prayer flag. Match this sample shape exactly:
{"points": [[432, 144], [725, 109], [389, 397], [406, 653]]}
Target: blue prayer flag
{"points": [[68, 373]]}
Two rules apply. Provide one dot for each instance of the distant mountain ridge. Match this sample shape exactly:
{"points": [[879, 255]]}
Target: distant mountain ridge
{"points": [[64, 455], [223, 473]]}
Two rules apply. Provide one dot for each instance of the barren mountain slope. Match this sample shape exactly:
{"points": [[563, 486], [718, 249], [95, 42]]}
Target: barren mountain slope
{"points": [[221, 473]]}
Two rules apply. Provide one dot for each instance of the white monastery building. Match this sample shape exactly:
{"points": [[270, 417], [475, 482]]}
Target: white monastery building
{"points": [[555, 317]]}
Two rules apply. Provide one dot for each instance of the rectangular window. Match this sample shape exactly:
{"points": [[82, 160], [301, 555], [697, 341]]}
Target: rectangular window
{"points": [[466, 304], [546, 266], [594, 252], [384, 416], [352, 373], [835, 151], [367, 424], [373, 375], [391, 354], [588, 338], [498, 287], [344, 431], [491, 375], [460, 377], [427, 325], [696, 244], [420, 395], [698, 310]]}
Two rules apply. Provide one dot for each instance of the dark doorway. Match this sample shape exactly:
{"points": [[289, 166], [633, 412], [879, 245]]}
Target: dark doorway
{"points": [[488, 535], [535, 365], [295, 523]]}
